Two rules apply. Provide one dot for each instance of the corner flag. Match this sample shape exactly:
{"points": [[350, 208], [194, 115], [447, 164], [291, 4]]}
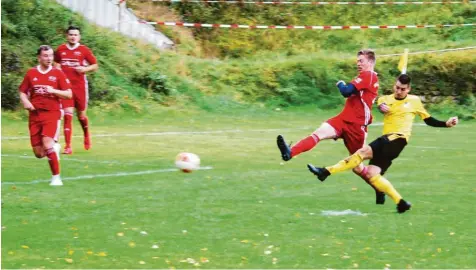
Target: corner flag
{"points": [[402, 65]]}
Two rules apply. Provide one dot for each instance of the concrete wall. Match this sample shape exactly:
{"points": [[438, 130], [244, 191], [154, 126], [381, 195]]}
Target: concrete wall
{"points": [[115, 15]]}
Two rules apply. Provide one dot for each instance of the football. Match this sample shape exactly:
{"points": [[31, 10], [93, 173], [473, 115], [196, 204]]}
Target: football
{"points": [[187, 162]]}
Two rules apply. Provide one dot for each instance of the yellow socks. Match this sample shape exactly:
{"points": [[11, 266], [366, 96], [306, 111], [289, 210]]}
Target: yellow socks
{"points": [[385, 186], [346, 164]]}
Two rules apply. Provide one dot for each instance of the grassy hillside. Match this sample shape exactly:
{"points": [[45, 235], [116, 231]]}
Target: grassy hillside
{"points": [[243, 43], [133, 76]]}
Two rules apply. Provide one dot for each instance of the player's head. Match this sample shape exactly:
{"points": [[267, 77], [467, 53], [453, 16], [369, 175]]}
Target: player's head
{"points": [[45, 55], [365, 60], [73, 34], [402, 86]]}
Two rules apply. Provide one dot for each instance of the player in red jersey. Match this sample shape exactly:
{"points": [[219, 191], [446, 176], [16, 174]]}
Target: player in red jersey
{"points": [[351, 124], [76, 60], [40, 93]]}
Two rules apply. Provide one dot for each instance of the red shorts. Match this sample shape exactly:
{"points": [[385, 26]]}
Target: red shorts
{"points": [[353, 134], [80, 98], [43, 124]]}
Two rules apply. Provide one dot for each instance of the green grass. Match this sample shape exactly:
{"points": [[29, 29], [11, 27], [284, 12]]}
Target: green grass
{"points": [[247, 204]]}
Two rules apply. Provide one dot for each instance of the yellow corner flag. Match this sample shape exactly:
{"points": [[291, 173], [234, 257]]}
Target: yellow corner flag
{"points": [[402, 65]]}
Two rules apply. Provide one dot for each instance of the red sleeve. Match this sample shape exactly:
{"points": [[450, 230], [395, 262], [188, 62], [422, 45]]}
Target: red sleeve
{"points": [[63, 82], [25, 84], [90, 56], [362, 81], [57, 56]]}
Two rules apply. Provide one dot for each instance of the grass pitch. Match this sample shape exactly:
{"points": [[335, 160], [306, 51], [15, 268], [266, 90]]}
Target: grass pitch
{"points": [[119, 209]]}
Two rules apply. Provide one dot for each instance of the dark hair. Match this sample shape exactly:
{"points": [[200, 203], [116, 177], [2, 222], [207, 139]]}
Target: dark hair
{"points": [[72, 27], [370, 54], [43, 48], [404, 79]]}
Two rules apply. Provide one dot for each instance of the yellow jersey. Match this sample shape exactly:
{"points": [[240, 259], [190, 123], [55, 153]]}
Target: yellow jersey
{"points": [[398, 121]]}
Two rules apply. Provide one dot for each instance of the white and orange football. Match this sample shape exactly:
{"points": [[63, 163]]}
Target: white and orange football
{"points": [[187, 162]]}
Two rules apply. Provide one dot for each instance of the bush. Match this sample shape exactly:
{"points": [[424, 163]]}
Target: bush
{"points": [[11, 79], [10, 98]]}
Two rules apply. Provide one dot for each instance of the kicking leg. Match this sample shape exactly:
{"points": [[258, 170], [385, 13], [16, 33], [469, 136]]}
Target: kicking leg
{"points": [[325, 131]]}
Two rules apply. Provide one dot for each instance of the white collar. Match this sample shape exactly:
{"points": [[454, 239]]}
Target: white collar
{"points": [[74, 47], [44, 72]]}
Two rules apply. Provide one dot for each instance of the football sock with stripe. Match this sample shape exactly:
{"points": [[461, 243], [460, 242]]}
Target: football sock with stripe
{"points": [[346, 164], [53, 161], [385, 186], [304, 145]]}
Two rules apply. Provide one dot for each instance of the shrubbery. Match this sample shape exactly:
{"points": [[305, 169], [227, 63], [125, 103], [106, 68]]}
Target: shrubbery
{"points": [[131, 72]]}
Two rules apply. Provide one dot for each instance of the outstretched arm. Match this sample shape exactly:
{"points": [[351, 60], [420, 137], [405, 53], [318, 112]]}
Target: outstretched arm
{"points": [[433, 122]]}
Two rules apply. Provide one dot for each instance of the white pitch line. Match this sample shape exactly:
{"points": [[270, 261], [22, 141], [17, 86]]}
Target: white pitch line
{"points": [[91, 176], [342, 213], [84, 160], [165, 133]]}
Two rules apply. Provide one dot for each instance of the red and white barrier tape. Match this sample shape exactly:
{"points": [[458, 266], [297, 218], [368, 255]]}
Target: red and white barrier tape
{"points": [[309, 27], [315, 3]]}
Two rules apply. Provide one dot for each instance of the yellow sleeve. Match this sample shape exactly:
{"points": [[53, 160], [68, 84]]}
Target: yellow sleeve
{"points": [[421, 111], [381, 100]]}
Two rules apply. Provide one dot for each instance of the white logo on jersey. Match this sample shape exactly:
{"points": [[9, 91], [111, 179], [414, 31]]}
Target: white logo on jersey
{"points": [[63, 53], [41, 90], [71, 63], [376, 85], [52, 78], [406, 105], [35, 79], [67, 80], [358, 80], [77, 53]]}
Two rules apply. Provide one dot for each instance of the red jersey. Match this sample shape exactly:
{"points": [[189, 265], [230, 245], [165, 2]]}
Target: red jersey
{"points": [[358, 107], [71, 57], [35, 82]]}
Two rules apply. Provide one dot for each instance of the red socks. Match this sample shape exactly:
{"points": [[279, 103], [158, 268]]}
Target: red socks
{"points": [[304, 145], [53, 161], [84, 124], [68, 128]]}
